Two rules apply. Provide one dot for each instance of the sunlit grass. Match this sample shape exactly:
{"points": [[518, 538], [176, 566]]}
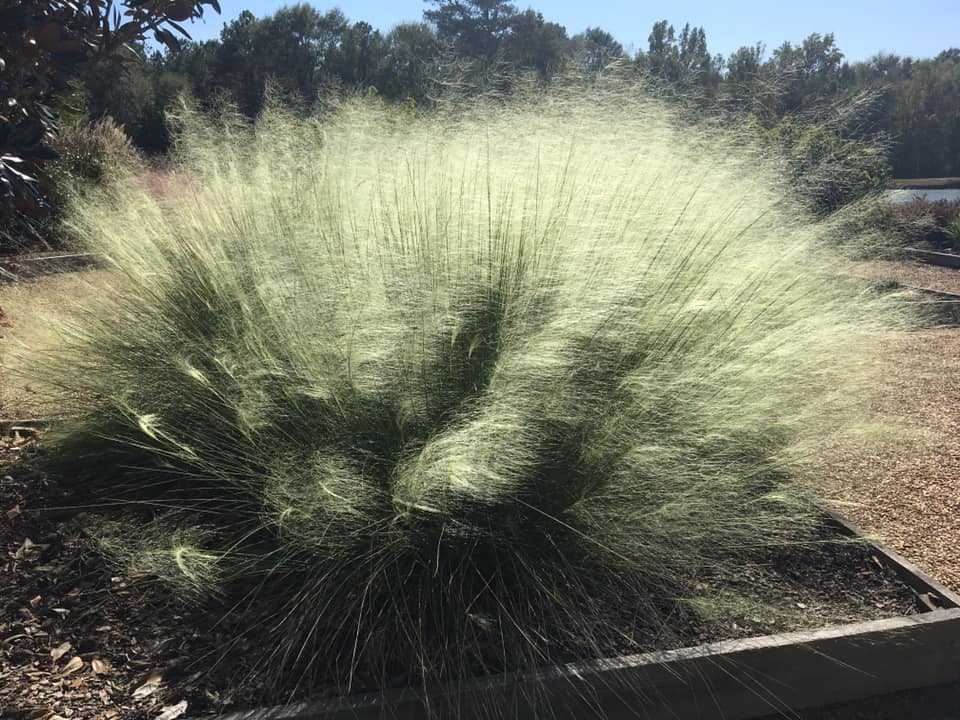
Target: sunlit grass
{"points": [[450, 395]]}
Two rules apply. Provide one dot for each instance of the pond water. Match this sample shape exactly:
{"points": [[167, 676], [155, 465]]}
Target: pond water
{"points": [[905, 195]]}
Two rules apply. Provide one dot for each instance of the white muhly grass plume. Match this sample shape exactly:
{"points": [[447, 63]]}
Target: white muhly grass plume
{"points": [[469, 393]]}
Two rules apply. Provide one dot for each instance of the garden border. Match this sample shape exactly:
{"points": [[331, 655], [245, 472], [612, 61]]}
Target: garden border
{"points": [[945, 306], [930, 257], [733, 680], [30, 265]]}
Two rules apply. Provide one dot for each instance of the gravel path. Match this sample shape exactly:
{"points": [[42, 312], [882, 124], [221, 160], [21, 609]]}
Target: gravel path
{"points": [[908, 492], [931, 277]]}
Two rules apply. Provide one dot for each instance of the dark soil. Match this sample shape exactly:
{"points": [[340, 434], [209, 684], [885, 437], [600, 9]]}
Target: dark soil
{"points": [[82, 639]]}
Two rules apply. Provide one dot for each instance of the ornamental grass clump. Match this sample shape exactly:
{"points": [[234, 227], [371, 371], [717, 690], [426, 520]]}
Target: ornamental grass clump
{"points": [[423, 398]]}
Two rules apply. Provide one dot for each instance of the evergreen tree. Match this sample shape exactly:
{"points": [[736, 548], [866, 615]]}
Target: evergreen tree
{"points": [[475, 27]]}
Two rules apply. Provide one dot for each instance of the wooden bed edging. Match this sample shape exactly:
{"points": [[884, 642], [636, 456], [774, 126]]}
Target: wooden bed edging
{"points": [[909, 573], [728, 680], [28, 265], [947, 183], [935, 258], [733, 680]]}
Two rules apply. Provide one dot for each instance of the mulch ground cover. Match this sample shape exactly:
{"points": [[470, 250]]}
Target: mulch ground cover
{"points": [[81, 638], [912, 274], [908, 492]]}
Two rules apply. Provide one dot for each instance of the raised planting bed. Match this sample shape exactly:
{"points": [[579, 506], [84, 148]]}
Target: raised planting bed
{"points": [[83, 636], [13, 267], [935, 258], [745, 678], [942, 307]]}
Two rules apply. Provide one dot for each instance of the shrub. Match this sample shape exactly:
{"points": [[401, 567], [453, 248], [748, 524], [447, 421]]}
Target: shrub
{"points": [[952, 233], [91, 151], [88, 154], [828, 169], [436, 397], [45, 44], [929, 222]]}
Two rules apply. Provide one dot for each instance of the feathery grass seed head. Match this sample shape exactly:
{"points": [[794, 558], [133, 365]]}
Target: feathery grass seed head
{"points": [[461, 394]]}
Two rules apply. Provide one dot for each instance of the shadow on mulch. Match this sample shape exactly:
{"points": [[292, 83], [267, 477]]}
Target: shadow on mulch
{"points": [[82, 639]]}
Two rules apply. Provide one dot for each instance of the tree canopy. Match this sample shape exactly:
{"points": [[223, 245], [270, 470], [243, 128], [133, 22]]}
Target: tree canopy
{"points": [[475, 27], [806, 97]]}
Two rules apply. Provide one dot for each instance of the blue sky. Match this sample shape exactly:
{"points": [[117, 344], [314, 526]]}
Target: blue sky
{"points": [[920, 28]]}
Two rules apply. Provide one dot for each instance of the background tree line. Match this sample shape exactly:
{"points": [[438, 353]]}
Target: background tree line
{"points": [[305, 54], [44, 47], [844, 128]]}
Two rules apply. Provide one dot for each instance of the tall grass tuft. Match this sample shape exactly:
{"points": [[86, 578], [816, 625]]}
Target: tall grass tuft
{"points": [[430, 397]]}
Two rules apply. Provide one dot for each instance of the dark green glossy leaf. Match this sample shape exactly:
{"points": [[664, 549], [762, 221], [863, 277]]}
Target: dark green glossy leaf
{"points": [[180, 29]]}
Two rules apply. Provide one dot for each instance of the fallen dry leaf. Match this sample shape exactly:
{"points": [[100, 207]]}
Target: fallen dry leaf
{"points": [[61, 650], [71, 667], [23, 549], [13, 512], [100, 667], [148, 683], [29, 550], [172, 712], [35, 601]]}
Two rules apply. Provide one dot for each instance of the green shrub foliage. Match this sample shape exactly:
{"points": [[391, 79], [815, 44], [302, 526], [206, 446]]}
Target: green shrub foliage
{"points": [[931, 223], [438, 396], [92, 152], [43, 48]]}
